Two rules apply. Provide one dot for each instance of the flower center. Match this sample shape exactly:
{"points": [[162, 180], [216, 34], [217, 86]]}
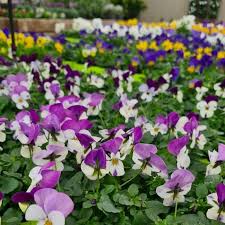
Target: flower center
{"points": [[20, 100], [48, 222], [156, 129], [115, 161]]}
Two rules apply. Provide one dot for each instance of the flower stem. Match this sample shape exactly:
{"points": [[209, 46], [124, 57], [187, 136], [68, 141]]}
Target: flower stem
{"points": [[175, 213], [128, 181]]}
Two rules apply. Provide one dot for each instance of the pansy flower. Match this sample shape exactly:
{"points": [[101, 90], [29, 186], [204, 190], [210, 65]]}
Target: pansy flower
{"points": [[51, 207], [217, 201], [175, 189]]}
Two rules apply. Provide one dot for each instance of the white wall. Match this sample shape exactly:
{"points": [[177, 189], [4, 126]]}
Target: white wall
{"points": [[164, 9]]}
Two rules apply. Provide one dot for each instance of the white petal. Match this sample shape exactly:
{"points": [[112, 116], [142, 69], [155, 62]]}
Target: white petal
{"points": [[35, 213], [56, 217]]}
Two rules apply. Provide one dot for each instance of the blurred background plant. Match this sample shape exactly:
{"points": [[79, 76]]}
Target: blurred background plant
{"points": [[204, 9], [132, 8], [89, 9]]}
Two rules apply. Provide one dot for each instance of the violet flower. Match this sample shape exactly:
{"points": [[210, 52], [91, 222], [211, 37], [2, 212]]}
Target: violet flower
{"points": [[51, 207], [174, 189]]}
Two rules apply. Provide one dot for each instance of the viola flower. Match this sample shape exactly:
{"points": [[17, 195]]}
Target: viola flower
{"points": [[95, 81], [94, 103], [177, 147], [94, 164], [220, 89], [174, 189], [217, 200], [146, 160], [157, 128], [127, 110], [164, 82], [51, 207], [215, 160], [148, 90], [53, 91], [208, 106], [178, 94], [114, 162], [21, 97], [44, 176], [53, 153]]}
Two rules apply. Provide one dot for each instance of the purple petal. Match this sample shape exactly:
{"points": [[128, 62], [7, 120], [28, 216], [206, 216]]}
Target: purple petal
{"points": [[96, 156], [49, 178], [58, 202], [145, 150], [158, 162], [176, 145], [112, 145], [221, 152], [22, 197], [220, 190], [137, 134]]}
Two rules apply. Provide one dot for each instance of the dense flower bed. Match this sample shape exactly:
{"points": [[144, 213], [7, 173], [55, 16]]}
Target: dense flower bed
{"points": [[139, 140]]}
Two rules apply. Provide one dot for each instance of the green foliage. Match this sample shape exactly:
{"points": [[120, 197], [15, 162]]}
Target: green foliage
{"points": [[204, 9]]}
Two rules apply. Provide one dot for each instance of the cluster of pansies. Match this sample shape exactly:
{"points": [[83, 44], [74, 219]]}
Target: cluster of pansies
{"points": [[29, 43], [137, 142]]}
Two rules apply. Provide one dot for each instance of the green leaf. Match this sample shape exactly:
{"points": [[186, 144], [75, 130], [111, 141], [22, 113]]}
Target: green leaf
{"points": [[8, 184], [133, 190], [12, 217], [124, 200], [154, 208], [105, 204], [201, 191], [87, 204]]}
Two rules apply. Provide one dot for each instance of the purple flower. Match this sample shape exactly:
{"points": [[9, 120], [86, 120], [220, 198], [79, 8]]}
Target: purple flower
{"points": [[51, 207], [176, 187]]}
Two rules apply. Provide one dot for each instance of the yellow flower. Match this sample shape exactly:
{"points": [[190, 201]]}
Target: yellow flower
{"points": [[208, 51], [221, 55], [191, 69], [142, 45], [59, 47], [3, 37], [151, 63], [199, 56], [179, 46], [29, 42], [167, 45], [187, 54], [153, 45], [41, 41], [199, 50]]}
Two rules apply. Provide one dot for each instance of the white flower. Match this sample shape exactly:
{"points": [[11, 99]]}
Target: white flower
{"points": [[183, 159], [212, 168], [156, 129], [21, 99], [127, 110], [95, 81], [207, 109], [147, 93], [169, 198], [215, 213], [114, 164], [200, 92], [36, 213], [219, 90]]}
